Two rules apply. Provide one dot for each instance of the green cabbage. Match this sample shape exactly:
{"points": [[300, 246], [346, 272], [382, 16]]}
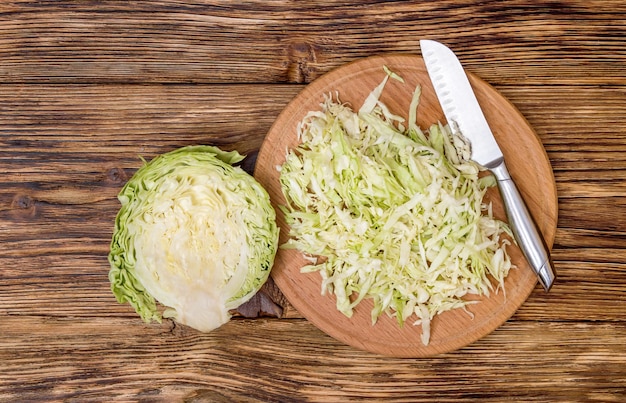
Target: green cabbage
{"points": [[194, 233], [395, 213]]}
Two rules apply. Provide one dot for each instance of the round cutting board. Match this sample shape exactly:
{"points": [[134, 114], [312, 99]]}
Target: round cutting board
{"points": [[526, 160]]}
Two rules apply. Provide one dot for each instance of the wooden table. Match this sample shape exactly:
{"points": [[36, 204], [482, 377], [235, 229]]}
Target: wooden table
{"points": [[87, 87]]}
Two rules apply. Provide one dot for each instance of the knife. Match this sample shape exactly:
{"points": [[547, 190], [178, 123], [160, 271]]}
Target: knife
{"points": [[463, 113]]}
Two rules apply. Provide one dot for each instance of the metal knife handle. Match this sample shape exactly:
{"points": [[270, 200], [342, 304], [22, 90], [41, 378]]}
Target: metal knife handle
{"points": [[528, 237]]}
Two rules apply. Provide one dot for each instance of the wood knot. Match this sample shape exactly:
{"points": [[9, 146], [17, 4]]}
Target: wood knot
{"points": [[22, 202], [300, 56], [116, 175], [23, 206]]}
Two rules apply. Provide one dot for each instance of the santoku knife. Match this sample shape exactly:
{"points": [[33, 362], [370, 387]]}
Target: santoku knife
{"points": [[463, 112]]}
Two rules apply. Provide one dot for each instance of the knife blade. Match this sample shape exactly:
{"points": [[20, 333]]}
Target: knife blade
{"points": [[463, 113]]}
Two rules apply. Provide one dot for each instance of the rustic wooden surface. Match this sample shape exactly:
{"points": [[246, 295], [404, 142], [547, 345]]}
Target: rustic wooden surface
{"points": [[88, 86]]}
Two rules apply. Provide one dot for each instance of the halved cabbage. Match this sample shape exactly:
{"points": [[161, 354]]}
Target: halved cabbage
{"points": [[194, 233]]}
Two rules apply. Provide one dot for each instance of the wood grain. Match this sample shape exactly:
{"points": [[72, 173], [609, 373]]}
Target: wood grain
{"points": [[290, 360], [87, 87], [289, 41]]}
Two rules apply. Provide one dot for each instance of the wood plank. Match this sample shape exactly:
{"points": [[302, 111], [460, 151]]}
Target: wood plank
{"points": [[580, 293], [106, 122], [289, 360], [112, 125], [610, 217], [595, 188], [209, 41], [70, 284], [578, 237]]}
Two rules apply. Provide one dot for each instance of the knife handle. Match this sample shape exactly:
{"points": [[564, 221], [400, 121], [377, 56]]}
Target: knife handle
{"points": [[528, 237]]}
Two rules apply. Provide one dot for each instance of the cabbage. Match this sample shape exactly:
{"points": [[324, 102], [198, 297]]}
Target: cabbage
{"points": [[195, 234], [391, 213]]}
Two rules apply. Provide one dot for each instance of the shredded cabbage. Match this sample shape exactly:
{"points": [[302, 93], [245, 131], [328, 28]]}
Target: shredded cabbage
{"points": [[389, 213], [194, 233]]}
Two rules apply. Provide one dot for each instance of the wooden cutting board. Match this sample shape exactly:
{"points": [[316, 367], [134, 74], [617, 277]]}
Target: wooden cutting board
{"points": [[526, 160]]}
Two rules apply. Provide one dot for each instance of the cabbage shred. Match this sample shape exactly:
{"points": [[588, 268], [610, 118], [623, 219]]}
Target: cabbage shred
{"points": [[391, 213]]}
